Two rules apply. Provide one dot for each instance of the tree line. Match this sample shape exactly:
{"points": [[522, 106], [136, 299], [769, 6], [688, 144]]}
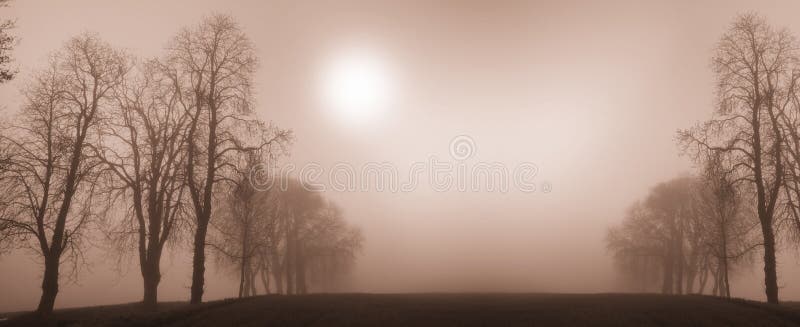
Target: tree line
{"points": [[154, 152], [746, 194], [688, 235], [284, 238]]}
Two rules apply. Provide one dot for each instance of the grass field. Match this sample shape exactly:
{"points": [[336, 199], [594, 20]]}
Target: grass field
{"points": [[436, 310]]}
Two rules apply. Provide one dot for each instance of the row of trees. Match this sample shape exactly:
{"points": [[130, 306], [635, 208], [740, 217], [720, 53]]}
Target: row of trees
{"points": [[286, 237], [750, 148], [152, 149], [687, 236]]}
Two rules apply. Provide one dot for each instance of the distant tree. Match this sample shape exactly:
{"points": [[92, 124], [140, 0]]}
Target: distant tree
{"points": [[755, 66], [272, 258], [639, 246], [7, 43], [242, 214], [299, 205], [331, 246], [684, 230], [290, 232], [316, 236], [49, 172], [725, 225], [670, 203], [213, 64]]}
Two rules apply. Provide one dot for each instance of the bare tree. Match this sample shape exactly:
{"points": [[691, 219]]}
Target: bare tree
{"points": [[49, 172], [725, 227], [755, 69], [300, 204], [670, 203], [142, 148], [236, 234], [639, 246], [272, 256], [330, 247], [212, 64]]}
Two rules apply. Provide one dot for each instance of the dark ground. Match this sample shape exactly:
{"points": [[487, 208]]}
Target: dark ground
{"points": [[437, 310]]}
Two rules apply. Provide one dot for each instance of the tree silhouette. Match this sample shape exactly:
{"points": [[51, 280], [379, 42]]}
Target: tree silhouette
{"points": [[756, 79], [49, 172], [212, 64], [142, 147]]}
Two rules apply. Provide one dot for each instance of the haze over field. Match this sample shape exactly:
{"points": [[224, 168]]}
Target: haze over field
{"points": [[590, 93]]}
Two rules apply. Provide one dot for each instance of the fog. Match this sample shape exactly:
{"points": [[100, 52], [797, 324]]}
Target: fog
{"points": [[591, 94]]}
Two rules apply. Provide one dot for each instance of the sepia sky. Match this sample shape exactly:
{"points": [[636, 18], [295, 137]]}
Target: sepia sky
{"points": [[591, 93]]}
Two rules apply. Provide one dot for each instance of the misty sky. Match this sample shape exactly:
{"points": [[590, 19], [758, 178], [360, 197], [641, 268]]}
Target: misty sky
{"points": [[591, 93]]}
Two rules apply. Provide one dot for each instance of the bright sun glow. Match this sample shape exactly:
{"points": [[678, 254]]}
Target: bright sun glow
{"points": [[356, 85]]}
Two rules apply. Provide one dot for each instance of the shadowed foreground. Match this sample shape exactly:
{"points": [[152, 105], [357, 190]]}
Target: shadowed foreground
{"points": [[438, 310]]}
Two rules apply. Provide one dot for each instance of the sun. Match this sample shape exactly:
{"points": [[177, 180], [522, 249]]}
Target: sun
{"points": [[356, 85]]}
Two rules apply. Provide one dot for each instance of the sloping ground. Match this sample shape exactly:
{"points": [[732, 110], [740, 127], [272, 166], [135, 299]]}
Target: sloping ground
{"points": [[440, 310]]}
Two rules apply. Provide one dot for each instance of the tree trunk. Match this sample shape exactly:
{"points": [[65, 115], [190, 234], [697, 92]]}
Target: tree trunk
{"points": [[151, 275], [678, 244], [243, 266], [770, 273], [151, 292], [252, 281], [49, 285], [246, 283], [241, 278], [703, 280], [301, 270], [691, 272], [151, 269], [666, 286], [643, 275], [199, 262], [290, 274], [277, 273], [265, 279], [726, 281], [715, 290], [291, 260], [724, 265]]}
